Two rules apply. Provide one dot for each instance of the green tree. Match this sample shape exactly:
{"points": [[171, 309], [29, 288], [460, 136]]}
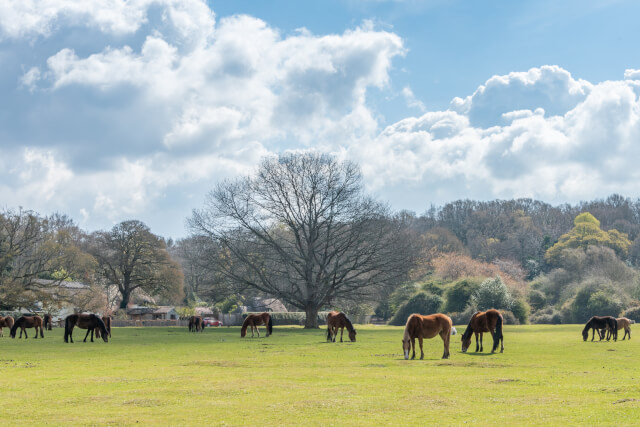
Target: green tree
{"points": [[585, 233], [492, 293], [421, 303], [459, 295]]}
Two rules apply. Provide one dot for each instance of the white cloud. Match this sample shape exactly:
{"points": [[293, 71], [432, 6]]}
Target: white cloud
{"points": [[631, 74]]}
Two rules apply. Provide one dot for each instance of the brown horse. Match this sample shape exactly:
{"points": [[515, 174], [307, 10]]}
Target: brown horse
{"points": [[27, 322], [622, 323], [484, 321], [196, 324], [255, 320], [419, 326], [84, 321], [340, 320], [107, 324], [5, 322], [47, 321]]}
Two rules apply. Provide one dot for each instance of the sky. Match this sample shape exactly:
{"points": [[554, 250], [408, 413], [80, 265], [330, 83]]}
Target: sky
{"points": [[113, 110]]}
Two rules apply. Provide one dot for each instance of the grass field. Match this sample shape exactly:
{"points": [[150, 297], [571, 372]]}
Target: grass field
{"points": [[167, 376]]}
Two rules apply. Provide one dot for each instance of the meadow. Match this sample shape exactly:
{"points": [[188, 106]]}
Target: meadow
{"points": [[167, 376]]}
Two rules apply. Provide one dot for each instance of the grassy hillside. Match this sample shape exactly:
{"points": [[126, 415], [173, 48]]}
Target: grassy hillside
{"points": [[160, 376]]}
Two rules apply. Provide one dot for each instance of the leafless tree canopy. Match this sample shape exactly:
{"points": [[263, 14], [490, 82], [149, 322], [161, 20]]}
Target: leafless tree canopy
{"points": [[302, 230], [131, 257]]}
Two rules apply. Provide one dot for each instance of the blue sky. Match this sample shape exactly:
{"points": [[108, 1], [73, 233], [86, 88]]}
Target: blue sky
{"points": [[111, 111]]}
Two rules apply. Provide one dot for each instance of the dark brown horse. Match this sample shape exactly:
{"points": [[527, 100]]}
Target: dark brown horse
{"points": [[84, 321], [600, 322], [484, 321], [196, 324], [27, 322], [255, 320], [107, 323], [340, 320], [48, 320], [419, 326], [5, 322]]}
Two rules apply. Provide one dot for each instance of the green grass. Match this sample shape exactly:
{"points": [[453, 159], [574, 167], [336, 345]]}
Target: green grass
{"points": [[167, 376]]}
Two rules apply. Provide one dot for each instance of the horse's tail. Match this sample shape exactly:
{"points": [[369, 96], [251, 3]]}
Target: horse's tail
{"points": [[328, 333], [270, 325], [245, 325], [67, 328], [498, 334]]}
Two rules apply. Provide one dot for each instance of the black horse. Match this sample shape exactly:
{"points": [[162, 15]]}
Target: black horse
{"points": [[85, 321], [48, 321], [598, 323]]}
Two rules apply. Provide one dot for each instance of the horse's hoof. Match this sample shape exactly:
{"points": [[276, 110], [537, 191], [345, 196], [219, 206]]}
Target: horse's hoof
{"points": [[421, 357]]}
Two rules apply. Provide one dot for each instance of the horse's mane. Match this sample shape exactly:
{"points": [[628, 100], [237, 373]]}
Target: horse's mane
{"points": [[406, 326], [469, 330], [101, 325], [16, 325], [245, 324], [349, 325]]}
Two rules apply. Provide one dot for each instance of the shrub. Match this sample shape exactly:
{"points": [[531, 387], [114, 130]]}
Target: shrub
{"points": [[384, 310], [537, 299], [421, 303], [632, 313], [509, 318], [521, 310], [548, 316], [492, 293], [462, 318], [593, 300], [459, 295]]}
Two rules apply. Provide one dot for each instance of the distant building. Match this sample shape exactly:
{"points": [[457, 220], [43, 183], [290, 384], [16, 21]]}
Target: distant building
{"points": [[264, 304], [152, 313]]}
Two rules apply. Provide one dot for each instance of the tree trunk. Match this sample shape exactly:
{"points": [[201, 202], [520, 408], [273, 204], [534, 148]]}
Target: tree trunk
{"points": [[125, 300], [311, 321]]}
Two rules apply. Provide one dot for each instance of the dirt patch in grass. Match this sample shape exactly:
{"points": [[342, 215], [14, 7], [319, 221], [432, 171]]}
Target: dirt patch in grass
{"points": [[505, 380], [625, 400], [215, 363], [146, 403]]}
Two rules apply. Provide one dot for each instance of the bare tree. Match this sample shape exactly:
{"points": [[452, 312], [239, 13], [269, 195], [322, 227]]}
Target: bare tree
{"points": [[302, 230], [33, 248], [131, 257]]}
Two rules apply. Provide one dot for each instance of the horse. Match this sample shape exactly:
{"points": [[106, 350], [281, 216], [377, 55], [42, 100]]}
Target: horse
{"points": [[27, 322], [600, 322], [48, 320], [5, 322], [340, 320], [196, 324], [84, 321], [622, 323], [484, 321], [255, 320], [107, 324], [419, 326]]}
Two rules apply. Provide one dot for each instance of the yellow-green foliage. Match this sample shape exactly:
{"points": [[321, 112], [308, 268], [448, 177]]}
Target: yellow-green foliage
{"points": [[587, 232]]}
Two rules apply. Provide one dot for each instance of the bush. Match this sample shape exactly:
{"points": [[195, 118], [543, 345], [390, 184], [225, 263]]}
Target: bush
{"points": [[459, 295], [384, 310], [432, 288], [537, 299], [593, 300], [421, 303], [509, 318], [632, 313], [292, 317], [548, 316], [492, 293], [521, 310], [462, 318]]}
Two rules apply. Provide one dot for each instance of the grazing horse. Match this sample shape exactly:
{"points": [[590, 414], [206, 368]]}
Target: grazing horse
{"points": [[5, 322], [623, 323], [196, 324], [84, 321], [107, 324], [48, 320], [340, 320], [419, 326], [484, 321], [27, 322], [255, 320], [600, 322]]}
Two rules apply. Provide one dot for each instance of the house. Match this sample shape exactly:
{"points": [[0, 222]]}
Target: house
{"points": [[264, 304], [205, 311], [152, 313]]}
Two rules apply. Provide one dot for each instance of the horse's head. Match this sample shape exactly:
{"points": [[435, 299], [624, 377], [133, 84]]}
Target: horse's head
{"points": [[406, 347], [352, 335], [466, 342], [585, 334]]}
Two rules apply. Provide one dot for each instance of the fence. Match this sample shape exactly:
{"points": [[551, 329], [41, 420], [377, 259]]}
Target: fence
{"points": [[290, 318]]}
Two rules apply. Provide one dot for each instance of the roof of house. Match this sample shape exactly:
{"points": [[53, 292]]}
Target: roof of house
{"points": [[147, 310], [61, 284]]}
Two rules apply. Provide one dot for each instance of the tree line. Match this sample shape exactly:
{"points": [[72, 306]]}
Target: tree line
{"points": [[303, 230]]}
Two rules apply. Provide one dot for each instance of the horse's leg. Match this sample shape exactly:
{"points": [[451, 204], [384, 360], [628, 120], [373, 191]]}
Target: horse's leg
{"points": [[477, 342], [258, 331], [92, 329], [341, 332], [481, 346], [413, 346], [445, 339], [593, 334], [85, 337], [421, 351], [41, 333]]}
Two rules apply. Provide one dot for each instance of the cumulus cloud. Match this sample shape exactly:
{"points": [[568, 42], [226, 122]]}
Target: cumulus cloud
{"points": [[145, 119]]}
